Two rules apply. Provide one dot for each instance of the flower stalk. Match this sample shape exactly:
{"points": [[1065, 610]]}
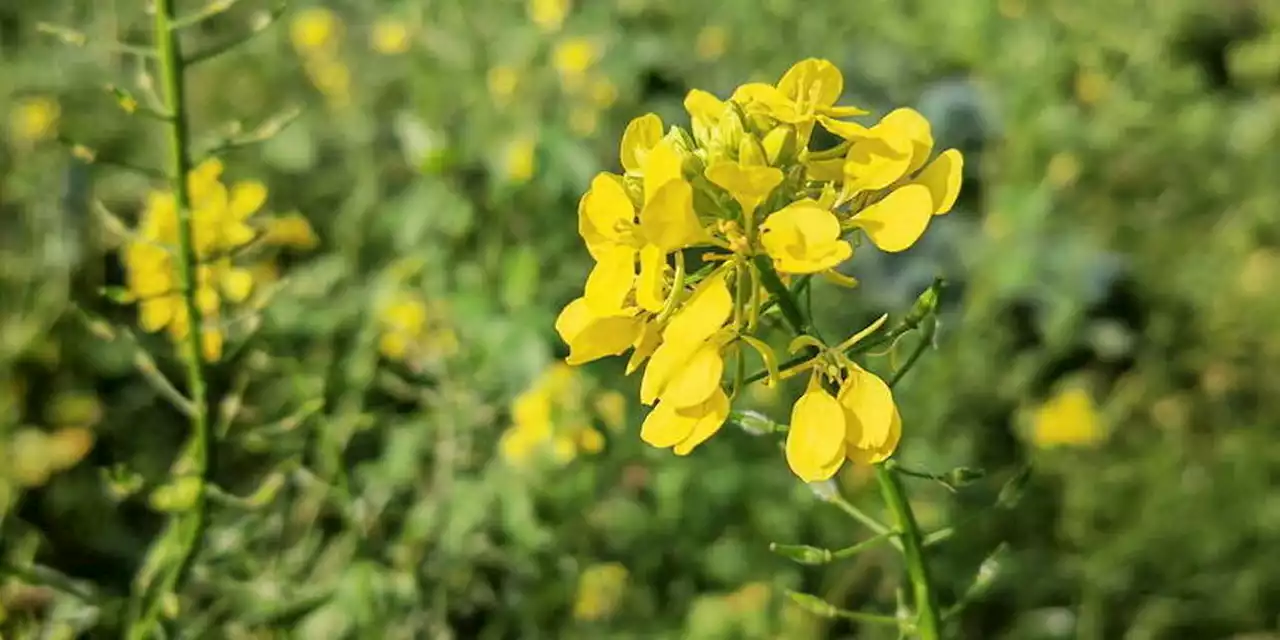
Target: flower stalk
{"points": [[182, 537]]}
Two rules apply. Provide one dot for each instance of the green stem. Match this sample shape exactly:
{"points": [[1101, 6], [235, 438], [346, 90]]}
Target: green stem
{"points": [[928, 614], [185, 530]]}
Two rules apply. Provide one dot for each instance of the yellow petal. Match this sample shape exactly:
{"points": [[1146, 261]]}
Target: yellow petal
{"points": [[703, 313], [603, 337], [606, 214], [844, 129], [804, 237], [668, 219], [155, 313], [641, 135], [702, 105], [749, 186], [646, 344], [711, 416], [813, 80], [665, 426], [896, 222], [661, 165], [393, 345], [876, 163], [211, 343], [611, 280], [666, 362], [879, 454], [942, 178], [870, 405], [650, 286], [237, 284], [247, 198], [816, 436], [573, 319], [908, 124], [697, 379]]}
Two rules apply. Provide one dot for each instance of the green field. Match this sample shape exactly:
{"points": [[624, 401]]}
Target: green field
{"points": [[398, 224]]}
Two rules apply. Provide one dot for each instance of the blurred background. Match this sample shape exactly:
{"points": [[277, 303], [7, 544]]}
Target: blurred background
{"points": [[402, 452]]}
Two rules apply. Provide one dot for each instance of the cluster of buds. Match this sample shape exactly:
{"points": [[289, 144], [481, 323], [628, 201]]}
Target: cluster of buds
{"points": [[745, 196]]}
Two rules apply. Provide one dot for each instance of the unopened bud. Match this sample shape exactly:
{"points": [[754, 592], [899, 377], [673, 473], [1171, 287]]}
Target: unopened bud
{"points": [[802, 553], [780, 145], [961, 476], [813, 604], [730, 129], [750, 152]]}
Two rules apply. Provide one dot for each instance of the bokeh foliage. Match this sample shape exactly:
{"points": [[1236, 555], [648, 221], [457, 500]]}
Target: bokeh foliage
{"points": [[1117, 234]]}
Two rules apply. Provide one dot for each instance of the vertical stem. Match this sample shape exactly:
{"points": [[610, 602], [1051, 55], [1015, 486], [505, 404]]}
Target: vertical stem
{"points": [[186, 528], [928, 615]]}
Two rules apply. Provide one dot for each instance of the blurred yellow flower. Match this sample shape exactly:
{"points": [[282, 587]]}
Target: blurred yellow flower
{"points": [[711, 42], [331, 77], [600, 591], [220, 224], [583, 120], [502, 81], [549, 15], [551, 416], [314, 30], [603, 92], [74, 409], [1064, 169], [291, 230], [390, 36], [1091, 86], [572, 58], [34, 119], [519, 159], [1069, 418], [34, 455], [403, 321], [612, 409]]}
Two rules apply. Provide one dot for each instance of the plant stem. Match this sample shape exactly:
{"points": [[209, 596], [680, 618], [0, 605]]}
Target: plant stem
{"points": [[186, 528], [928, 614]]}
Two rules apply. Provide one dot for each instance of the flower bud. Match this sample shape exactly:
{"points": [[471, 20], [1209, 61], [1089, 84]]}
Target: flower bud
{"points": [[731, 128], [802, 553], [750, 153], [780, 145]]}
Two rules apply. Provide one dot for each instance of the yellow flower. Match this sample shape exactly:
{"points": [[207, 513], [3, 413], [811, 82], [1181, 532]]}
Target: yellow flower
{"points": [[33, 455], [292, 230], [616, 239], [804, 237], [519, 162], [502, 81], [807, 91], [220, 225], [549, 15], [684, 373], [34, 119], [860, 424], [331, 77], [314, 29], [815, 446], [550, 416], [882, 170], [711, 42], [573, 58], [390, 36], [1069, 418], [600, 591], [404, 321]]}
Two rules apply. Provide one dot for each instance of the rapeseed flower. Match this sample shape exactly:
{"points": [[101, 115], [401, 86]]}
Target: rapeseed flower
{"points": [[741, 191], [34, 119]]}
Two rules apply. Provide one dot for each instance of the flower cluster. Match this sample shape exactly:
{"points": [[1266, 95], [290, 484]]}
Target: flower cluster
{"points": [[553, 415], [762, 208], [316, 34], [412, 328], [221, 228]]}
